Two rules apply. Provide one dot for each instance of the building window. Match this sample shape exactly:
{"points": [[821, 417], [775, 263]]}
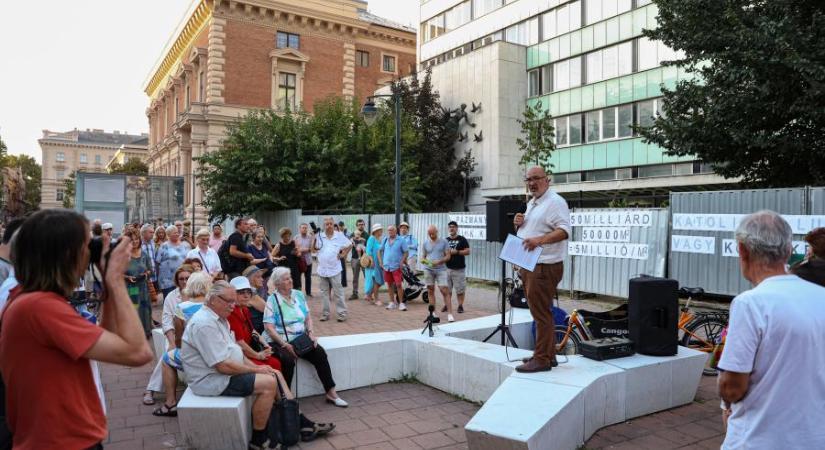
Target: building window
{"points": [[645, 113], [286, 91], [388, 64], [575, 135], [457, 16], [362, 58], [60, 157], [659, 170], [284, 40], [593, 126], [59, 196], [98, 160], [434, 28], [83, 158], [186, 97], [482, 7], [625, 121], [609, 123], [61, 174], [201, 87], [561, 131], [596, 11], [533, 82]]}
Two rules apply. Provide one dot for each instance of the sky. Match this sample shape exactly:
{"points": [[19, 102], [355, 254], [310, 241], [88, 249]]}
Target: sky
{"points": [[82, 64]]}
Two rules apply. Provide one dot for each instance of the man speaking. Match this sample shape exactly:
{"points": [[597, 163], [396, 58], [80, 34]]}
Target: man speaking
{"points": [[546, 224]]}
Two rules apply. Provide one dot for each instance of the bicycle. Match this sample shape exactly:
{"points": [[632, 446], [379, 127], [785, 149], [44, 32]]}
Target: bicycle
{"points": [[585, 325], [700, 331]]}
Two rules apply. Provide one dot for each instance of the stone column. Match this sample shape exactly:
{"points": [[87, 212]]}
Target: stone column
{"points": [[215, 61], [349, 71]]}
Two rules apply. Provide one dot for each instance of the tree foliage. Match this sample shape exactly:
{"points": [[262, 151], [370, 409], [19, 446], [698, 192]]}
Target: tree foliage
{"points": [[132, 166], [538, 137], [756, 109], [69, 184], [32, 174], [331, 160]]}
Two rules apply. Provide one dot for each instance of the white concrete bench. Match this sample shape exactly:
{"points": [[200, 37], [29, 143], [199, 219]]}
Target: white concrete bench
{"points": [[215, 423]]}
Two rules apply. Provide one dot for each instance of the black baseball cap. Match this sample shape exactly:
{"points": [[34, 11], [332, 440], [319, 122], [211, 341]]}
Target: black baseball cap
{"points": [[452, 222]]}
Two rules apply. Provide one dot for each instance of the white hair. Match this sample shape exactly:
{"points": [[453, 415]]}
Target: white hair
{"points": [[216, 289], [767, 236], [275, 279], [197, 285], [171, 228]]}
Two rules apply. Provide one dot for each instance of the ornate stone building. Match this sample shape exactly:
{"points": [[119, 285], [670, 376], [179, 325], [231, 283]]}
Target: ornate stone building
{"points": [[89, 151], [228, 57]]}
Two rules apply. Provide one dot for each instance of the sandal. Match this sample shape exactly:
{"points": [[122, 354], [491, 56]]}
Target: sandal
{"points": [[309, 434], [148, 398], [166, 411]]}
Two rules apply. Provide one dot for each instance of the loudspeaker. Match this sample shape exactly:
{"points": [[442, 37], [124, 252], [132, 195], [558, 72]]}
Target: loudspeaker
{"points": [[500, 218], [653, 313]]}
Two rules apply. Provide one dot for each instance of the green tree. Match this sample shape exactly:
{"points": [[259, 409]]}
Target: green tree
{"points": [[538, 137], [756, 107], [69, 184], [132, 166], [442, 174], [32, 173]]}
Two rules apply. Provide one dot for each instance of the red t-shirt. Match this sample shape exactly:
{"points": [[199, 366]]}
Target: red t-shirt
{"points": [[51, 398], [240, 322]]}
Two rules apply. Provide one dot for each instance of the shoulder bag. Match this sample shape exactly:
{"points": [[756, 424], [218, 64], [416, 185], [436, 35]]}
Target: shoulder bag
{"points": [[302, 344], [284, 426]]}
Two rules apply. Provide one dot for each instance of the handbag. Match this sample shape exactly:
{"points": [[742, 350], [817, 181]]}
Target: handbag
{"points": [[302, 344], [284, 426], [302, 264]]}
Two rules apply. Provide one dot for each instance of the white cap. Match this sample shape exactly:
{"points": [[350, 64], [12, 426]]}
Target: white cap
{"points": [[240, 283], [107, 226]]}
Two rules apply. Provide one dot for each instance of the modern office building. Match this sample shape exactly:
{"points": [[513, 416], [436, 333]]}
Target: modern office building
{"points": [[87, 151], [588, 64], [229, 57]]}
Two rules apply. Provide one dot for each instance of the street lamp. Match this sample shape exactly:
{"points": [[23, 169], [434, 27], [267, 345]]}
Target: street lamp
{"points": [[370, 113]]}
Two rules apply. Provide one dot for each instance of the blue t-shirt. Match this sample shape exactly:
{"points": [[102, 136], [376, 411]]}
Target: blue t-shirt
{"points": [[412, 244], [392, 253]]}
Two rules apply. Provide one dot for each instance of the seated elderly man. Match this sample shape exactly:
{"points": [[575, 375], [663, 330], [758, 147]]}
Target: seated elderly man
{"points": [[773, 358], [215, 366]]}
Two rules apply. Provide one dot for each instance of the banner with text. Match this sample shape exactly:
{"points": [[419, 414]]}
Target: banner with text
{"points": [[640, 218], [800, 224], [471, 226]]}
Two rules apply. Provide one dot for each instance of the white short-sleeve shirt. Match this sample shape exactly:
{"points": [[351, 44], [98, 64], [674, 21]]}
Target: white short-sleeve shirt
{"points": [[209, 259], [776, 334], [328, 248], [545, 214]]}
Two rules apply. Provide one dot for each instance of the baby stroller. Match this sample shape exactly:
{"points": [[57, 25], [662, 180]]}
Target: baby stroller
{"points": [[414, 286]]}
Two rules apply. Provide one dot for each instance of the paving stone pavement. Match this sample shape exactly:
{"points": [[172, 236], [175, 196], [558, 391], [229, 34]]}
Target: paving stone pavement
{"points": [[402, 415]]}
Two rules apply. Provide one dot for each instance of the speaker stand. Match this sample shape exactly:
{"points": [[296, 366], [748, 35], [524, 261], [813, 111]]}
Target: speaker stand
{"points": [[503, 327]]}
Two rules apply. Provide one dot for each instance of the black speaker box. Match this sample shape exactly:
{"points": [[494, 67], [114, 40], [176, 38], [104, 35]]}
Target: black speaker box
{"points": [[500, 218], [653, 313]]}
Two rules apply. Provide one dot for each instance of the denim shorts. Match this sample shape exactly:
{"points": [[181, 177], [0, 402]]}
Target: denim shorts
{"points": [[242, 385]]}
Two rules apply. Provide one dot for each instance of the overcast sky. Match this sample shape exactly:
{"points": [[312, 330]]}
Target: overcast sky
{"points": [[67, 64]]}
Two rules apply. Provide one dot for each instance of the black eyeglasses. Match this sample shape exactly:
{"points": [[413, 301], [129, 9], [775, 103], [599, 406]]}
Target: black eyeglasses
{"points": [[228, 302], [534, 179]]}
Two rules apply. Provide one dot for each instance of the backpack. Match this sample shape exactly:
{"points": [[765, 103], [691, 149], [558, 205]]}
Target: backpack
{"points": [[227, 264]]}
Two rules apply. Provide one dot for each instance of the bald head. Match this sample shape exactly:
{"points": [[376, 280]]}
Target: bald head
{"points": [[432, 232], [537, 181]]}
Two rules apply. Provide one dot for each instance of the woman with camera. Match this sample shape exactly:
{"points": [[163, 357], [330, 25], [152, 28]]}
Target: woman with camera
{"points": [[46, 346], [289, 329], [138, 282]]}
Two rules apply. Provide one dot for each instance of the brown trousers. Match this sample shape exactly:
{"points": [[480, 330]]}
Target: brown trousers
{"points": [[540, 287]]}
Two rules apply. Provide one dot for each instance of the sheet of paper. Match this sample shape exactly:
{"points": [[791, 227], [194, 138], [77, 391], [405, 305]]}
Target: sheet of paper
{"points": [[514, 252]]}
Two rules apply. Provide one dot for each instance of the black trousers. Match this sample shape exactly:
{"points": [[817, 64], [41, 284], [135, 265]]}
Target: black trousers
{"points": [[344, 272], [308, 280], [317, 357]]}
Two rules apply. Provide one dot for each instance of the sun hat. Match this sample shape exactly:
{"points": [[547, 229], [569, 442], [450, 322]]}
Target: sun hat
{"points": [[240, 283], [404, 224], [376, 227]]}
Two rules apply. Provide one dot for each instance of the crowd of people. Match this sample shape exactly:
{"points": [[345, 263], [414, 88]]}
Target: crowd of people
{"points": [[236, 313]]}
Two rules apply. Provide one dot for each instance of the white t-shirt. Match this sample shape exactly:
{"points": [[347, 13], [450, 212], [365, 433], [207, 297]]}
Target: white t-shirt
{"points": [[777, 334], [328, 248], [543, 215], [209, 259]]}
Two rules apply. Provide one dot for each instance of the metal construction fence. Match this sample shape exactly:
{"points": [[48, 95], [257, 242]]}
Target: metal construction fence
{"points": [[692, 241], [703, 251]]}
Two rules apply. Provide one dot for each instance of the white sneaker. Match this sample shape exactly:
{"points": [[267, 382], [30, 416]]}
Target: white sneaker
{"points": [[450, 318], [402, 307], [391, 305]]}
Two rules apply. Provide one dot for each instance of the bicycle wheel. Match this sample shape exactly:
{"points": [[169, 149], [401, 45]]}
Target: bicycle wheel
{"points": [[573, 344], [702, 334]]}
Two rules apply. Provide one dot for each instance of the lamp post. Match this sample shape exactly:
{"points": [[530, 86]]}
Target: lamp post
{"points": [[370, 114]]}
